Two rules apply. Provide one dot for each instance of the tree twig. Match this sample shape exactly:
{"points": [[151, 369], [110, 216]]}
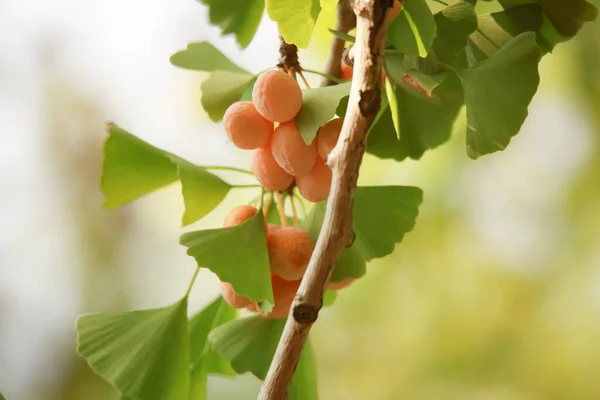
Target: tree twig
{"points": [[336, 232], [346, 21]]}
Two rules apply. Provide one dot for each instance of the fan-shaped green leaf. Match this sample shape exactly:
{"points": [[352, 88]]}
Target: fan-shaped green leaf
{"points": [[425, 122], [497, 94], [319, 105], [294, 19], [414, 28], [202, 192], [382, 215], [454, 25], [238, 17], [143, 354], [236, 254], [133, 168], [203, 56], [222, 89], [250, 344]]}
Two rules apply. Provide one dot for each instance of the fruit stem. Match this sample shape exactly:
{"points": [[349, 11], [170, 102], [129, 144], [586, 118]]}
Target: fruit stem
{"points": [[267, 205], [294, 214], [280, 208], [223, 168], [189, 289], [330, 77], [303, 78]]}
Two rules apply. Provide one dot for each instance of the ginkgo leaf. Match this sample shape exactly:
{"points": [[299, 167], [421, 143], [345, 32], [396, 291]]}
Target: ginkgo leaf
{"points": [[294, 19], [143, 354], [202, 192], [454, 25], [393, 104], [238, 17], [413, 30], [133, 168], [236, 254], [222, 89], [319, 105], [304, 382], [203, 56], [382, 215], [497, 94], [249, 343]]}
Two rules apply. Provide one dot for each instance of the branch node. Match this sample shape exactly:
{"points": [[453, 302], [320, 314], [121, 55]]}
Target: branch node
{"points": [[370, 102], [305, 314], [288, 56]]}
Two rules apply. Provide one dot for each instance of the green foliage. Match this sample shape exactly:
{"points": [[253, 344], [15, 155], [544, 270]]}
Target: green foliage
{"points": [[222, 89], [133, 168], [319, 105], [250, 343], [382, 215], [203, 56], [497, 94], [424, 122], [236, 254], [143, 354], [454, 25], [414, 28], [204, 360], [238, 17], [295, 19]]}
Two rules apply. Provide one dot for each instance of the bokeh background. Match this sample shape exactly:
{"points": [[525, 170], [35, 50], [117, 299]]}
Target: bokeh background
{"points": [[494, 296]]}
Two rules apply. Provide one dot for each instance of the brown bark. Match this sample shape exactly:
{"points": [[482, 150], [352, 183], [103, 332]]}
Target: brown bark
{"points": [[344, 160]]}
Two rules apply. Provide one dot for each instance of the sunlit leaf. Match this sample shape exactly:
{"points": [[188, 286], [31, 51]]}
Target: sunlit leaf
{"points": [[413, 30], [202, 192], [497, 94], [319, 105], [133, 168], [203, 56], [238, 17], [236, 254], [294, 19], [222, 89], [143, 354]]}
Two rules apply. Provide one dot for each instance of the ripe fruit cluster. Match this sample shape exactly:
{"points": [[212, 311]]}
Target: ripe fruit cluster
{"points": [[290, 249], [279, 156]]}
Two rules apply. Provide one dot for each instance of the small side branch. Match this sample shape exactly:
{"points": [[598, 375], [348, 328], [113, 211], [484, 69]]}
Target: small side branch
{"points": [[346, 21], [344, 160]]}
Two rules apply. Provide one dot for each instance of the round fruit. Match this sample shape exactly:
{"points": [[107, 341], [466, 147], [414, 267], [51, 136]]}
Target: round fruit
{"points": [[346, 71], [238, 215], [246, 128], [339, 285], [232, 298], [267, 171], [277, 96], [290, 249], [315, 185], [393, 12], [290, 151], [284, 293], [328, 136]]}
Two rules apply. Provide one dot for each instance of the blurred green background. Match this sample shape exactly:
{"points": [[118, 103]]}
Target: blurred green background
{"points": [[494, 296]]}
